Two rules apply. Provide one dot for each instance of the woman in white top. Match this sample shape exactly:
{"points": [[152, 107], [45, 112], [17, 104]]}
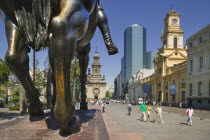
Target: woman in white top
{"points": [[158, 111], [189, 113]]}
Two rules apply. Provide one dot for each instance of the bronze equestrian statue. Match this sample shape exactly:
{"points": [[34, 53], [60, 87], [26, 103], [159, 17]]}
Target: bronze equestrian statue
{"points": [[66, 28]]}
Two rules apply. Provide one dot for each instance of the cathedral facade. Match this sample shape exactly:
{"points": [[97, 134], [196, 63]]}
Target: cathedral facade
{"points": [[96, 84]]}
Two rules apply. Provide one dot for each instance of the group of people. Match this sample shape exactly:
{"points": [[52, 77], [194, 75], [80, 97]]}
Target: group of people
{"points": [[158, 112], [147, 109]]}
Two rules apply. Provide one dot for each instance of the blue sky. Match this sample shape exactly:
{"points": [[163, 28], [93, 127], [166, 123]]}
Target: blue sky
{"points": [[124, 13]]}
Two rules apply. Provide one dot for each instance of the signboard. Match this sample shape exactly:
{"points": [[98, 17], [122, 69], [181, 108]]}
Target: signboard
{"points": [[147, 90], [173, 89]]}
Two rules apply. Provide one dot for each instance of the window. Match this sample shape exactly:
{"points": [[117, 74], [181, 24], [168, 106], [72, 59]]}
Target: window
{"points": [[183, 96], [191, 65], [201, 62], [199, 88], [166, 85], [173, 97], [174, 83], [209, 59], [209, 88], [200, 40], [191, 45], [159, 85], [175, 43], [160, 70], [199, 101], [167, 96], [190, 89]]}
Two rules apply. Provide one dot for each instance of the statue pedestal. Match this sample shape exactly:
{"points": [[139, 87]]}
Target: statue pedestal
{"points": [[83, 106]]}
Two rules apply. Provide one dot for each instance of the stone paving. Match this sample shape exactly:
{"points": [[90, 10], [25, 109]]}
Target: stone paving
{"points": [[173, 128], [92, 128], [7, 116]]}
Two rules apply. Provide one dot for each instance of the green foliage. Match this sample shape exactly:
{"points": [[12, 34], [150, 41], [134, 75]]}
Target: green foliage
{"points": [[16, 95], [1, 104], [14, 108], [108, 94], [41, 78], [44, 103], [4, 72]]}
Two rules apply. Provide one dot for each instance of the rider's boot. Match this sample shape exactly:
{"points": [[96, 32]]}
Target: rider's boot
{"points": [[112, 49], [103, 25]]}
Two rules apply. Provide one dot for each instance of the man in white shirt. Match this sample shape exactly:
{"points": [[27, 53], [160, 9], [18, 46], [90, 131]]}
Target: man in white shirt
{"points": [[129, 108]]}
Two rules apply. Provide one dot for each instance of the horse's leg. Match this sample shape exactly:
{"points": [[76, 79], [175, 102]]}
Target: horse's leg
{"points": [[18, 61], [104, 27], [66, 28], [83, 57]]}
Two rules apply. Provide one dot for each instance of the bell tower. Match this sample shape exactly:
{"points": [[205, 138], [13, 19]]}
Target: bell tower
{"points": [[172, 37], [96, 66]]}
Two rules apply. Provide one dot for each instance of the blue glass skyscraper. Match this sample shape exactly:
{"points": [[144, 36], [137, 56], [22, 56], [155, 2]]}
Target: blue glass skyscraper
{"points": [[134, 50]]}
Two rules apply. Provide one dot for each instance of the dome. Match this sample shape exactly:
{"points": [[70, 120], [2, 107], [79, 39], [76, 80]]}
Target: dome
{"points": [[134, 25], [172, 12]]}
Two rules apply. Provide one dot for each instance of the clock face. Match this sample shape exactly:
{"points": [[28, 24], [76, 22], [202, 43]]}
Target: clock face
{"points": [[174, 21]]}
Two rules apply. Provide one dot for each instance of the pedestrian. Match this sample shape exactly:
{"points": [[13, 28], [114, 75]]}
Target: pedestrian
{"points": [[77, 105], [189, 113], [149, 108], [129, 108], [103, 105], [158, 111], [180, 105], [143, 109]]}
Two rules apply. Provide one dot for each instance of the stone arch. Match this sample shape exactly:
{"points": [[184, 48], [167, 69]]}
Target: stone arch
{"points": [[96, 92]]}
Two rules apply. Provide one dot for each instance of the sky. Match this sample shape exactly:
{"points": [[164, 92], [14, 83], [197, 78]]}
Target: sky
{"points": [[121, 14]]}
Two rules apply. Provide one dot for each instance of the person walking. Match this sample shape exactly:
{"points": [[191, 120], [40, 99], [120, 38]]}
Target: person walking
{"points": [[129, 108], [77, 105], [143, 109], [158, 111], [189, 113], [149, 108], [103, 105]]}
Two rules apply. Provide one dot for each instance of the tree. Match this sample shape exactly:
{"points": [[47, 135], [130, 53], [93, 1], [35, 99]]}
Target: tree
{"points": [[16, 95], [75, 73], [4, 78], [108, 94]]}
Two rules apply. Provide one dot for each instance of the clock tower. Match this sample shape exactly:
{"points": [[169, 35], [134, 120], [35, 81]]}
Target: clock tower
{"points": [[172, 37]]}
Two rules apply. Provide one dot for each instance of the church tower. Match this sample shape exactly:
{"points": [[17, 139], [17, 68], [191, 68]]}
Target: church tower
{"points": [[96, 66], [172, 37], [96, 84], [172, 51]]}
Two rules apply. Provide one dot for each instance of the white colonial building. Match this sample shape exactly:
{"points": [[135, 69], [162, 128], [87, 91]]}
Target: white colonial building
{"points": [[96, 84], [135, 90], [198, 73]]}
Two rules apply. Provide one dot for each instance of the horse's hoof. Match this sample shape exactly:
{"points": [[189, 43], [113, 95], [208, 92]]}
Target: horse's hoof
{"points": [[73, 127]]}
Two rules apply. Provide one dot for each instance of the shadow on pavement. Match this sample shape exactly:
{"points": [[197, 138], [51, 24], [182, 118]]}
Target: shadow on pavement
{"points": [[84, 115]]}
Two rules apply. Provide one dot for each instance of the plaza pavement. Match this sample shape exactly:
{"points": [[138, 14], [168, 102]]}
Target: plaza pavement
{"points": [[114, 124], [173, 128]]}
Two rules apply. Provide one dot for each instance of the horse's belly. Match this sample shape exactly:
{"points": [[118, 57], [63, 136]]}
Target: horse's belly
{"points": [[93, 20]]}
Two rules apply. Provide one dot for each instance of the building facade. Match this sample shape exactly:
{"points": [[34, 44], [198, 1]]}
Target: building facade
{"points": [[148, 59], [134, 50], [135, 90], [169, 80], [96, 85], [198, 74]]}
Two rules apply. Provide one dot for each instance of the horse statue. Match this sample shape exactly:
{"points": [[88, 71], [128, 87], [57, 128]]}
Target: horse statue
{"points": [[66, 28]]}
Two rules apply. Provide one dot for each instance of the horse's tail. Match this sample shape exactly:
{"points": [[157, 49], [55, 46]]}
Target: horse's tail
{"points": [[35, 24]]}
